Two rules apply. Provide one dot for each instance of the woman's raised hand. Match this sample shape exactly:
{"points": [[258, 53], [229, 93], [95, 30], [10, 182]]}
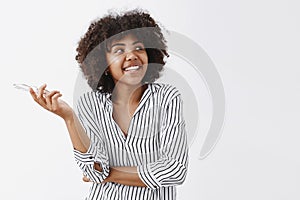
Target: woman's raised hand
{"points": [[50, 100]]}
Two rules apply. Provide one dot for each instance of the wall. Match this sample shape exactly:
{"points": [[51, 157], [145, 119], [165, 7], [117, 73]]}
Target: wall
{"points": [[254, 46]]}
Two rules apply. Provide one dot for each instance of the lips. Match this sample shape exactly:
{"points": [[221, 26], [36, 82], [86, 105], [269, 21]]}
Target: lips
{"points": [[132, 68]]}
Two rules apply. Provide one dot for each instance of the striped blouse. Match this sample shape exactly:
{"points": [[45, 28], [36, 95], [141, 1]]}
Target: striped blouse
{"points": [[156, 143]]}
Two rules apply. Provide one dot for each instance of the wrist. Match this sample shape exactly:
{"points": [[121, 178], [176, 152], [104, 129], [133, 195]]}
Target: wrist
{"points": [[112, 175], [69, 118], [98, 167]]}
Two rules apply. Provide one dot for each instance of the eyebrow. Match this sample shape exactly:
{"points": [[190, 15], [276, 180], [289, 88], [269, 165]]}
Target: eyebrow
{"points": [[122, 44]]}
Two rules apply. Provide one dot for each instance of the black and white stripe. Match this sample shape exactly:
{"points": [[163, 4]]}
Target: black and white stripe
{"points": [[156, 143]]}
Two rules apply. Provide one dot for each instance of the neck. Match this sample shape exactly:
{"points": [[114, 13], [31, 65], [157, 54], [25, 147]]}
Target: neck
{"points": [[127, 94]]}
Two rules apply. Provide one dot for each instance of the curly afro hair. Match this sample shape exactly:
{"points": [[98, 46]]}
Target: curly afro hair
{"points": [[92, 47]]}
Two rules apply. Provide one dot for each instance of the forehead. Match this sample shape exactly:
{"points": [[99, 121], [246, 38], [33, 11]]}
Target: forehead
{"points": [[130, 38], [122, 39]]}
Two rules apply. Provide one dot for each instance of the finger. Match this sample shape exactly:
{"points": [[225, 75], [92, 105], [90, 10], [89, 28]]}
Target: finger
{"points": [[55, 100], [41, 91], [49, 97], [35, 97], [33, 94], [86, 179]]}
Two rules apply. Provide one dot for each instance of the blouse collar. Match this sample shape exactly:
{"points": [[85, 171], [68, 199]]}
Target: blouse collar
{"points": [[150, 90]]}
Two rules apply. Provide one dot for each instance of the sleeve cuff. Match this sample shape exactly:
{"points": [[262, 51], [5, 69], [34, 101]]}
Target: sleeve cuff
{"points": [[87, 160], [147, 177]]}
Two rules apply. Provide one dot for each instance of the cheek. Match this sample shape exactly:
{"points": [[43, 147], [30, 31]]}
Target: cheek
{"points": [[114, 59], [144, 59]]}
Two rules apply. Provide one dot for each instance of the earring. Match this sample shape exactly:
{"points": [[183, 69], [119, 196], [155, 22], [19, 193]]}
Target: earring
{"points": [[106, 73]]}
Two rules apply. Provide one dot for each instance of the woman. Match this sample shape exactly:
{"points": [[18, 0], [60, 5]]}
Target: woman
{"points": [[128, 134]]}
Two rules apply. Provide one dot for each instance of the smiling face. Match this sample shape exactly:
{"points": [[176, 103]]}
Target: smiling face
{"points": [[127, 60]]}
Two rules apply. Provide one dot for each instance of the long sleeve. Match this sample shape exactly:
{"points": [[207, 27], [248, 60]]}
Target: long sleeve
{"points": [[171, 168], [96, 152]]}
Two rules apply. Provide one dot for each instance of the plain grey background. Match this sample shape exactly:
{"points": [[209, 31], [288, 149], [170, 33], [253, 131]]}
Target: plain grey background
{"points": [[255, 48]]}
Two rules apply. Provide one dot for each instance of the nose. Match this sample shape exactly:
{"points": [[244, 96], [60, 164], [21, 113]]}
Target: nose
{"points": [[131, 56]]}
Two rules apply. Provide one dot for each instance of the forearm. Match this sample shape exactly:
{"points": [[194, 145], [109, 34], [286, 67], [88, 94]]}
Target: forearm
{"points": [[125, 176], [79, 138]]}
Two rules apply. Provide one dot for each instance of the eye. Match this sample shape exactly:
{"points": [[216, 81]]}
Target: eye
{"points": [[139, 48], [118, 51]]}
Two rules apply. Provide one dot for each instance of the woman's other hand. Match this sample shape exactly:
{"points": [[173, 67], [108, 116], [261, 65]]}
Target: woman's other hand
{"points": [[50, 100], [86, 179]]}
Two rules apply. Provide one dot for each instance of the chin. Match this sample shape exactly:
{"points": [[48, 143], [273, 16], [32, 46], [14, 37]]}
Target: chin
{"points": [[128, 81]]}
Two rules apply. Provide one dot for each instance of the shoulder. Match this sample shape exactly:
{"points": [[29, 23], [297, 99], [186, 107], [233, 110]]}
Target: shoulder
{"points": [[90, 99], [165, 91]]}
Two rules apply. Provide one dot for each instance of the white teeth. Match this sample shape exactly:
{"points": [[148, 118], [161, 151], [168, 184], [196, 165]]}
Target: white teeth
{"points": [[132, 68]]}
